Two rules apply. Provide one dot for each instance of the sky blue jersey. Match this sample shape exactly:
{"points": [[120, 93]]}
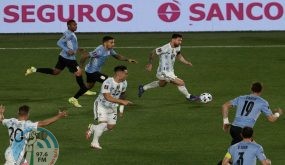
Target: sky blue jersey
{"points": [[19, 134], [249, 108], [68, 42], [98, 58], [246, 153]]}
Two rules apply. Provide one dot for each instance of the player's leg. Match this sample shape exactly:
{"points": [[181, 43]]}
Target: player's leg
{"points": [[159, 83], [181, 87], [60, 65], [235, 134], [75, 69], [9, 157], [98, 77], [92, 78], [102, 114]]}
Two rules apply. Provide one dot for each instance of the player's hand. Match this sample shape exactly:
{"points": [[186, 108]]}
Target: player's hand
{"points": [[70, 52], [268, 161], [148, 67], [62, 112], [279, 110], [127, 102], [132, 61], [189, 64], [226, 127], [2, 109]]}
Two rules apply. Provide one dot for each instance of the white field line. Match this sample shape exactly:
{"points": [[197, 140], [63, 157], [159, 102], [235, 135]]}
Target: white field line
{"points": [[151, 47]]}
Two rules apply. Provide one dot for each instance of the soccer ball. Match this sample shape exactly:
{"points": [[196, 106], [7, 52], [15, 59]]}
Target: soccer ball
{"points": [[206, 97]]}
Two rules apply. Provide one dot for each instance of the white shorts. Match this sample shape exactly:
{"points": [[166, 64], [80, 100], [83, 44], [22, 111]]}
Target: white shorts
{"points": [[167, 76], [9, 157], [103, 113]]}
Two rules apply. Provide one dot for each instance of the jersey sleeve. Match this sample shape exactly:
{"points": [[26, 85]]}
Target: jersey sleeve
{"points": [[5, 122], [106, 87], [260, 154], [32, 125], [234, 102], [61, 42], [266, 110], [113, 52], [95, 53], [160, 50], [178, 50], [125, 86]]}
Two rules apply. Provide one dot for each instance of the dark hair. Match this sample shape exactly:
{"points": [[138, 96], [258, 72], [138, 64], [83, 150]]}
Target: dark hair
{"points": [[256, 87], [70, 21], [120, 68], [247, 132], [24, 110], [107, 38], [175, 35]]}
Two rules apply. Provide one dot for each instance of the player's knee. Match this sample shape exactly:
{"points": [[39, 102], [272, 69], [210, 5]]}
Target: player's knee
{"points": [[90, 85], [181, 83], [110, 127], [56, 72], [78, 73], [162, 84]]}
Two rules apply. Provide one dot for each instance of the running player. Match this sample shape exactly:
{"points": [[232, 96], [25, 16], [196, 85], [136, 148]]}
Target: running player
{"points": [[105, 106], [67, 58], [19, 130], [248, 108], [97, 59], [165, 72], [246, 151]]}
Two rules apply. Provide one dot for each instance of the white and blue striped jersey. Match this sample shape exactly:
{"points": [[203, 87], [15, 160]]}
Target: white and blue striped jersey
{"points": [[246, 153], [68, 42], [248, 110], [19, 135], [98, 58], [167, 56], [114, 88]]}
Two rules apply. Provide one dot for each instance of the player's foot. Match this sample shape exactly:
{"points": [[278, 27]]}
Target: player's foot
{"points": [[96, 145], [141, 91], [74, 102], [90, 93], [89, 132], [193, 98], [30, 70]]}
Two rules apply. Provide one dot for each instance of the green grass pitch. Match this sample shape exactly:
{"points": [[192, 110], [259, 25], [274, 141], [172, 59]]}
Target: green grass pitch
{"points": [[162, 128]]}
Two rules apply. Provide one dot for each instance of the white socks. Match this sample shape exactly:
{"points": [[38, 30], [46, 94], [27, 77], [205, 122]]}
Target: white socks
{"points": [[184, 91], [153, 84], [98, 131], [121, 108]]}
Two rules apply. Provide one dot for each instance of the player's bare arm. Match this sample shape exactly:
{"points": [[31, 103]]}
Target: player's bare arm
{"points": [[150, 60], [276, 115], [2, 110], [225, 113], [266, 162], [109, 98], [226, 161], [84, 56], [183, 60], [60, 115], [123, 96], [123, 58]]}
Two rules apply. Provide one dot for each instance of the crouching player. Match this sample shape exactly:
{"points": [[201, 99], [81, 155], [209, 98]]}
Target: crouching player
{"points": [[105, 106]]}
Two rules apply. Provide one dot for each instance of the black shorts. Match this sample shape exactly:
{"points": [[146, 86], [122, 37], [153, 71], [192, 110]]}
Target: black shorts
{"points": [[235, 133], [96, 77], [70, 64]]}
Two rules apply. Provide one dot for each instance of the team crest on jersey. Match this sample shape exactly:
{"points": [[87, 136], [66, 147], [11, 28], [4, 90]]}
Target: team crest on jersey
{"points": [[106, 87], [42, 147]]}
